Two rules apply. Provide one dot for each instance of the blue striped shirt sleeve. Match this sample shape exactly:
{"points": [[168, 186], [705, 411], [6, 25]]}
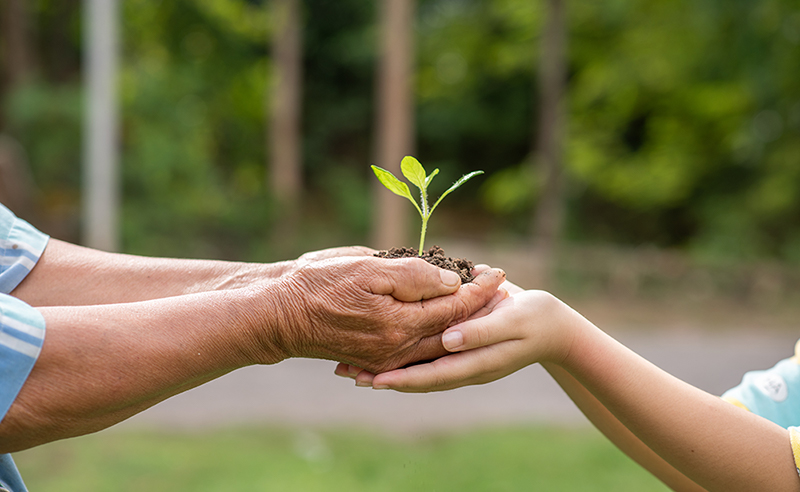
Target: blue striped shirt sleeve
{"points": [[21, 338], [22, 328], [21, 245]]}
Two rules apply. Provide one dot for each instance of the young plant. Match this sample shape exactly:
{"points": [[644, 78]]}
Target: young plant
{"points": [[414, 172]]}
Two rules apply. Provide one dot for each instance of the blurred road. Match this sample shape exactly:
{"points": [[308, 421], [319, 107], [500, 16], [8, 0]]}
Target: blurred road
{"points": [[305, 392]]}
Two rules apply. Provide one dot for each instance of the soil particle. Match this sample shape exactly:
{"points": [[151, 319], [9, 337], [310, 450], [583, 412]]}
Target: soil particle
{"points": [[435, 256]]}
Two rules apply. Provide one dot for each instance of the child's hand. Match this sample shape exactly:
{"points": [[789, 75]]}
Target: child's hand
{"points": [[529, 327]]}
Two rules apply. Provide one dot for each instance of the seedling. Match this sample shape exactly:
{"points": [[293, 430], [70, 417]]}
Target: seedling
{"points": [[415, 173]]}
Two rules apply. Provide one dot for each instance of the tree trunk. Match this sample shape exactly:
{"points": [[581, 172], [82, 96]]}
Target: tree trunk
{"points": [[284, 130], [18, 55], [16, 183], [395, 118], [548, 150], [15, 33]]}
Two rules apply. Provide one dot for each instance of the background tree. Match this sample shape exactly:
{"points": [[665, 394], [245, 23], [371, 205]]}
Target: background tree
{"points": [[18, 53], [549, 135], [684, 123], [285, 109], [16, 186], [395, 117]]}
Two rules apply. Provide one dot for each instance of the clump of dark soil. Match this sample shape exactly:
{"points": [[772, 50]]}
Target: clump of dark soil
{"points": [[435, 256]]}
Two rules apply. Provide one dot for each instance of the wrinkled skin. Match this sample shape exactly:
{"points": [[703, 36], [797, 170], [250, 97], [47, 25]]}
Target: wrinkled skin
{"points": [[370, 312]]}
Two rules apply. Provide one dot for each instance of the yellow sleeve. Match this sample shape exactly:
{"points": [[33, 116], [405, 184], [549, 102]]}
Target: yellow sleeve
{"points": [[794, 437]]}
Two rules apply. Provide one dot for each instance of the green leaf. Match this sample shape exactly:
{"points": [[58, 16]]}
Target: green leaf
{"points": [[393, 184], [430, 178], [458, 183], [413, 171]]}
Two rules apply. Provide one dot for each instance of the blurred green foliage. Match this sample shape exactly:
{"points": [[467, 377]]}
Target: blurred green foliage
{"points": [[683, 120]]}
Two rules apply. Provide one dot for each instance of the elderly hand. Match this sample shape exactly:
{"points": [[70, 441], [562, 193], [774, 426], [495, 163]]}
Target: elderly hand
{"points": [[375, 313], [338, 252], [365, 378]]}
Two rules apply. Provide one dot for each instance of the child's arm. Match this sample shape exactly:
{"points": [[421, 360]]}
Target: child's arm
{"points": [[618, 434], [714, 443]]}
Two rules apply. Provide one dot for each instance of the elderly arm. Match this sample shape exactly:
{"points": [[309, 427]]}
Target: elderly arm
{"points": [[71, 275], [103, 363]]}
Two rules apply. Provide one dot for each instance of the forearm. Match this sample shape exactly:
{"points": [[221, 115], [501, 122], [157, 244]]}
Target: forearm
{"points": [[101, 364], [70, 275], [618, 434], [715, 444]]}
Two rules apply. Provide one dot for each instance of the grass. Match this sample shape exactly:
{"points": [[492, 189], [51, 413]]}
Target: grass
{"points": [[263, 459]]}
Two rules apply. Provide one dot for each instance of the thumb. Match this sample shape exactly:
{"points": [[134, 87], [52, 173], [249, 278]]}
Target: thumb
{"points": [[451, 310], [413, 279]]}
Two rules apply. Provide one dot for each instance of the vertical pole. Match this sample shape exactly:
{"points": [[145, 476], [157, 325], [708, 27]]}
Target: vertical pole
{"points": [[284, 113], [100, 173], [395, 118]]}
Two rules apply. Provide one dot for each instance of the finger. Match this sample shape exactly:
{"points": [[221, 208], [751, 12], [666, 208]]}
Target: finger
{"points": [[360, 376], [435, 314], [478, 269], [412, 279], [351, 251], [427, 349], [512, 288], [324, 254], [364, 379], [480, 332], [346, 370], [453, 371], [498, 297], [342, 370]]}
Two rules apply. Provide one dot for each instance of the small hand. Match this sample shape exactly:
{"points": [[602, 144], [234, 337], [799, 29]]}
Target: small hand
{"points": [[521, 330]]}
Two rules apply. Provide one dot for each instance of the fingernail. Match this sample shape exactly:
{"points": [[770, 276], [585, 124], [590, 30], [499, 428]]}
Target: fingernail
{"points": [[363, 384], [449, 278], [380, 387], [452, 339]]}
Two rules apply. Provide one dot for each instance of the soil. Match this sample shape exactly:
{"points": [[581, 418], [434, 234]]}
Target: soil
{"points": [[435, 256]]}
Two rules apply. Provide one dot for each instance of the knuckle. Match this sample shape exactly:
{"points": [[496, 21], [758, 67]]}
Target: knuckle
{"points": [[482, 335], [460, 311]]}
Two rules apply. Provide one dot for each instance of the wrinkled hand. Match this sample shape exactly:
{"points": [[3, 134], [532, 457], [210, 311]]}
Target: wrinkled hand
{"points": [[338, 252], [325, 254], [373, 313], [364, 378]]}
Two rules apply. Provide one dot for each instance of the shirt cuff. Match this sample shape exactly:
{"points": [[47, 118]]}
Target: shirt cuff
{"points": [[22, 331], [21, 245], [794, 437]]}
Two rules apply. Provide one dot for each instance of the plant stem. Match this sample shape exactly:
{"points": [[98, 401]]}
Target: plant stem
{"points": [[422, 234], [425, 215]]}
